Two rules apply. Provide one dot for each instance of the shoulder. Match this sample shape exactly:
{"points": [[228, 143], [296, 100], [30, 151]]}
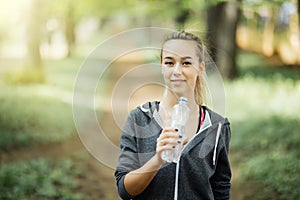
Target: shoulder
{"points": [[218, 120], [146, 108], [144, 113], [216, 117]]}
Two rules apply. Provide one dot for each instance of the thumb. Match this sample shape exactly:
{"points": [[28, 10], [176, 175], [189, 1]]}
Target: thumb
{"points": [[185, 140]]}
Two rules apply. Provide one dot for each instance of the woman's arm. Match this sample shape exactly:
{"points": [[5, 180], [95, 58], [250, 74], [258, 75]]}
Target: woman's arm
{"points": [[135, 182]]}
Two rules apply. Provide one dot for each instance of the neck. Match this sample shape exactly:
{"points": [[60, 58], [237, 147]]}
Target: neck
{"points": [[167, 103], [169, 100]]}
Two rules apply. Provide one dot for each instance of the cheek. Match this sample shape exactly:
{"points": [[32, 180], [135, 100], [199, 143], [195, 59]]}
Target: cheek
{"points": [[192, 77], [192, 74], [166, 71]]}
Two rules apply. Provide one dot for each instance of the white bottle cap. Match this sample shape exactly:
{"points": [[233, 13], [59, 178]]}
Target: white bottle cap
{"points": [[183, 99]]}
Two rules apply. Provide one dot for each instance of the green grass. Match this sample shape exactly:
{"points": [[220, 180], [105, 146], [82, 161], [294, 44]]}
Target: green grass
{"points": [[257, 66], [263, 105], [34, 114], [268, 150], [256, 97], [23, 77], [39, 179], [271, 134], [28, 118], [62, 73], [276, 172]]}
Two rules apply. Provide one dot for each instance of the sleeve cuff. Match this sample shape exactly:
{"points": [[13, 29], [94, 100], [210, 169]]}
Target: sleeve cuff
{"points": [[122, 191]]}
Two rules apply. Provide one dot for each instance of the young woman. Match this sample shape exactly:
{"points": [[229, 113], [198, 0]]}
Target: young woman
{"points": [[203, 170]]}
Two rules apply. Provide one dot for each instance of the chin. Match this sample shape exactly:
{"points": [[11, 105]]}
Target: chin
{"points": [[179, 92]]}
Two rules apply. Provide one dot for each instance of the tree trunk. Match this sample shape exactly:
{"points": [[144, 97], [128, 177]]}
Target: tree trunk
{"points": [[268, 31], [299, 19], [34, 36], [70, 29], [222, 20]]}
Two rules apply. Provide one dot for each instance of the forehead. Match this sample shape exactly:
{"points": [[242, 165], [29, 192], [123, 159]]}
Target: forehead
{"points": [[181, 48]]}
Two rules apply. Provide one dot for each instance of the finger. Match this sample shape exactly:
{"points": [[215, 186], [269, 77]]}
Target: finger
{"points": [[169, 141], [169, 129], [185, 140], [169, 134], [165, 147]]}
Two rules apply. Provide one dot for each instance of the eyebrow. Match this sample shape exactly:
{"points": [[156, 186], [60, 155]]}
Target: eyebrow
{"points": [[186, 57]]}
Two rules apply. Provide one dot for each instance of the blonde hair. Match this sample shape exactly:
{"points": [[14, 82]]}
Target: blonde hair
{"points": [[200, 89]]}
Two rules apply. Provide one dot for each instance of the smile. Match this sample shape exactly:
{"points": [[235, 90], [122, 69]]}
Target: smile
{"points": [[177, 81]]}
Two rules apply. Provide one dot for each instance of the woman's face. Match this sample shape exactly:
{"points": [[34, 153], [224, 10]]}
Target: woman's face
{"points": [[180, 66]]}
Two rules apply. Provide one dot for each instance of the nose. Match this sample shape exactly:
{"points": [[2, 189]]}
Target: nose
{"points": [[177, 69]]}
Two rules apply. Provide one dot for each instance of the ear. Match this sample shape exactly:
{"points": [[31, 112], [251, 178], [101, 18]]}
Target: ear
{"points": [[202, 66]]}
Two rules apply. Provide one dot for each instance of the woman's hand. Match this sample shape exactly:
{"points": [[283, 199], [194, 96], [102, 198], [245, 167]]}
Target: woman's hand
{"points": [[167, 140], [136, 181]]}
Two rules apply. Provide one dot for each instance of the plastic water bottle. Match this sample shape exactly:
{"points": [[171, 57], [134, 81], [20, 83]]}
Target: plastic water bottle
{"points": [[180, 115]]}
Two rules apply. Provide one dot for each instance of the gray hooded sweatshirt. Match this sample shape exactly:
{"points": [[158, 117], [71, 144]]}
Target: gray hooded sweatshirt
{"points": [[203, 170]]}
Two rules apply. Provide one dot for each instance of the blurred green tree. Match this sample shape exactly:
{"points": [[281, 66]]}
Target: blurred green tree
{"points": [[70, 12], [183, 13], [34, 35], [70, 25]]}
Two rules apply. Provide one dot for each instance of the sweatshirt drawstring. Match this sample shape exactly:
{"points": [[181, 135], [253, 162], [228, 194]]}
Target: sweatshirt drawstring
{"points": [[216, 143], [214, 157], [214, 161], [176, 180]]}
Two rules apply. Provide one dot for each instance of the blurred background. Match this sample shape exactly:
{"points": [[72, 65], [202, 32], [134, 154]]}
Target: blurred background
{"points": [[43, 43]]}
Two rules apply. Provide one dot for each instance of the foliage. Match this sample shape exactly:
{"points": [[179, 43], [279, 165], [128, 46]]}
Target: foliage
{"points": [[278, 173], [271, 134], [27, 118], [39, 113], [36, 114], [268, 149], [170, 9], [87, 8], [62, 73], [263, 107], [107, 8], [257, 3], [39, 179], [28, 76]]}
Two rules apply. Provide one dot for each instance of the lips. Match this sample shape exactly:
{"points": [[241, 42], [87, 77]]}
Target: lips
{"points": [[177, 81]]}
